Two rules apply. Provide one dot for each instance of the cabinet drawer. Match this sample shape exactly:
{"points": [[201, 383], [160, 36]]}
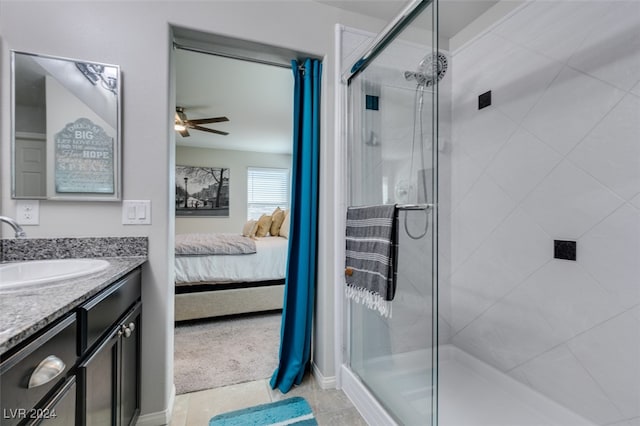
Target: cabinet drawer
{"points": [[16, 371], [100, 314]]}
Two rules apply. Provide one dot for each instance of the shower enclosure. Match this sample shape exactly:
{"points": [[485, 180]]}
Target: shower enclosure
{"points": [[391, 103], [512, 149]]}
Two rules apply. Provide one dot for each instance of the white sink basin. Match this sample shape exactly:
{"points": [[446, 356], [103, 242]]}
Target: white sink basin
{"points": [[34, 272]]}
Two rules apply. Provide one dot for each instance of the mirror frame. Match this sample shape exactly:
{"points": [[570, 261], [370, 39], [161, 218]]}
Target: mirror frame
{"points": [[117, 144]]}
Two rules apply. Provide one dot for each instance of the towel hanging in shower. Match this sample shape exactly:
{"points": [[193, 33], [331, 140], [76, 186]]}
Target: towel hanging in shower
{"points": [[370, 267]]}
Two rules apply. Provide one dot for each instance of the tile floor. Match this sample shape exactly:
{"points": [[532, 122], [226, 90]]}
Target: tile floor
{"points": [[330, 406]]}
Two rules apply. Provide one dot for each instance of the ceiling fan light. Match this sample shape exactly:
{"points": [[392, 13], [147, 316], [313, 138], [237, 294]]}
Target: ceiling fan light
{"points": [[179, 127]]}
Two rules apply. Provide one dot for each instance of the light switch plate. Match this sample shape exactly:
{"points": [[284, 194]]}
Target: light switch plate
{"points": [[28, 212], [136, 212]]}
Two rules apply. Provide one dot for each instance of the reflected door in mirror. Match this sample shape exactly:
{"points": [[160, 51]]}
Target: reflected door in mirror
{"points": [[31, 165]]}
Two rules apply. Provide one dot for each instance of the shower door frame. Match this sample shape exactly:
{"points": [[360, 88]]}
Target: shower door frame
{"points": [[363, 399]]}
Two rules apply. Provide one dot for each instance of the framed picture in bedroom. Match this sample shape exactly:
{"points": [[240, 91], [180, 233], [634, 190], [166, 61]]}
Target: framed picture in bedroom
{"points": [[202, 191]]}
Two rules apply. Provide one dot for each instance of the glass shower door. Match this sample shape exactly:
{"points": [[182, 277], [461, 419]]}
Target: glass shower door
{"points": [[391, 160]]}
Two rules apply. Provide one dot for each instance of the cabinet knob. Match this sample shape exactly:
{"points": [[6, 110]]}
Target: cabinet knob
{"points": [[48, 369], [126, 329]]}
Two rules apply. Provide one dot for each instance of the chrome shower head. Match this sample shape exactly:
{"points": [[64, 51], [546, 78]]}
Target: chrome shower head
{"points": [[430, 70]]}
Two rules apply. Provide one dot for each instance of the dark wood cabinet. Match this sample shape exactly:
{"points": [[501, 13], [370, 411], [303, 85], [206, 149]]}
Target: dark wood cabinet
{"points": [[110, 376], [109, 372], [60, 410], [34, 371], [96, 349], [130, 343], [98, 379]]}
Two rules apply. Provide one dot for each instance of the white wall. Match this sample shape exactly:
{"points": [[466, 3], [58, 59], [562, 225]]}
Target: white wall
{"points": [[30, 119], [237, 162], [136, 36], [557, 156]]}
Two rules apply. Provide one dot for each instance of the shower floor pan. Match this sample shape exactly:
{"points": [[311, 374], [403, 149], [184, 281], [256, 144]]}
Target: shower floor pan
{"points": [[471, 393]]}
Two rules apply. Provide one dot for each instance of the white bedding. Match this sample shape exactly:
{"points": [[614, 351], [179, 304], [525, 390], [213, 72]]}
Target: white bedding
{"points": [[268, 263]]}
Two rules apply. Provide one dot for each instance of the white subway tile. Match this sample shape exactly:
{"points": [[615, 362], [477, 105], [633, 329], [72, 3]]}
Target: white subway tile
{"points": [[479, 283], [554, 29], [465, 172], [556, 303], [523, 78], [611, 354], [568, 298], [611, 151], [617, 43], [521, 245], [610, 253], [521, 164], [569, 202], [569, 108], [484, 134], [484, 207], [558, 375], [507, 335], [636, 89]]}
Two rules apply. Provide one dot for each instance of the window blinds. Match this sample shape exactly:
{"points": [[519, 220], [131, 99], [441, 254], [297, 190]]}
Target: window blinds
{"points": [[267, 188]]}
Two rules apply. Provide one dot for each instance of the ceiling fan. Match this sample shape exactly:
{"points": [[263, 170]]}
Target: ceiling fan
{"points": [[182, 123]]}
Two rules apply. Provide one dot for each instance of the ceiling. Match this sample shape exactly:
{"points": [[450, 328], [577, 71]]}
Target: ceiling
{"points": [[453, 15], [257, 98]]}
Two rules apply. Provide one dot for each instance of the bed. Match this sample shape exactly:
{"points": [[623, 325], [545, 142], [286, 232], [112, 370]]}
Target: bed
{"points": [[212, 285]]}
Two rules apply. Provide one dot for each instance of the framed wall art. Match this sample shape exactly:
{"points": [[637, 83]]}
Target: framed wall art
{"points": [[202, 191]]}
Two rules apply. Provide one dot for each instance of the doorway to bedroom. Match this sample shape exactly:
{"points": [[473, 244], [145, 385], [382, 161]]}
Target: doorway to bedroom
{"points": [[233, 148]]}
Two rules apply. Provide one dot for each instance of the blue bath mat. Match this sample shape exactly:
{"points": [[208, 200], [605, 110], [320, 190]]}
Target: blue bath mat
{"points": [[291, 411]]}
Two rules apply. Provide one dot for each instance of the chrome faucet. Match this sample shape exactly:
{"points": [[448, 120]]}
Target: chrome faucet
{"points": [[19, 231]]}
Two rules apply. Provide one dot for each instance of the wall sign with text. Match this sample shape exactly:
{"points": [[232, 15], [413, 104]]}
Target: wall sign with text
{"points": [[84, 159]]}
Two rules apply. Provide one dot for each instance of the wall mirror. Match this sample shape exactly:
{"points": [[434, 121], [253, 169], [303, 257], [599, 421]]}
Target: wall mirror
{"points": [[65, 125]]}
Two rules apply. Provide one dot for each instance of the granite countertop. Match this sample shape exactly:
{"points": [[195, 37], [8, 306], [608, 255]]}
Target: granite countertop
{"points": [[24, 312]]}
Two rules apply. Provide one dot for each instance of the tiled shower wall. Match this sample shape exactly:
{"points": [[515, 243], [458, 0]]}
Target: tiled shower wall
{"points": [[555, 157]]}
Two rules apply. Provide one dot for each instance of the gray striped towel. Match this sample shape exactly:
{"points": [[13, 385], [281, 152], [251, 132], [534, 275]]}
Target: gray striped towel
{"points": [[370, 272]]}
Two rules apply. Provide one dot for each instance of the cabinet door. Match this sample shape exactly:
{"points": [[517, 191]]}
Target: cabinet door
{"points": [[60, 410], [130, 367], [98, 375]]}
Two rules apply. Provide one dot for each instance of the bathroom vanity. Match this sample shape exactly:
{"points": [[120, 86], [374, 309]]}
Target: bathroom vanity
{"points": [[71, 349]]}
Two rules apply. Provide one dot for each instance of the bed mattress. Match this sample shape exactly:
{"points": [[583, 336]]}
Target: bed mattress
{"points": [[268, 263]]}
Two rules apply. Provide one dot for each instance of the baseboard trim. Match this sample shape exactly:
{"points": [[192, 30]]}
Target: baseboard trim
{"points": [[323, 382], [159, 418]]}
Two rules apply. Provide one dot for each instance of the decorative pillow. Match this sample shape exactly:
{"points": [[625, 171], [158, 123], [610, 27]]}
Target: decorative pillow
{"points": [[249, 229], [264, 224], [286, 224], [277, 217]]}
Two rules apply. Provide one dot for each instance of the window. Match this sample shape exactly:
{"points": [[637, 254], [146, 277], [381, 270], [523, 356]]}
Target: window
{"points": [[266, 189]]}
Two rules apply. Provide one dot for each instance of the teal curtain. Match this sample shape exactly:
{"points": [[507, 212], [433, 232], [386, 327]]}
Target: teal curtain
{"points": [[297, 312]]}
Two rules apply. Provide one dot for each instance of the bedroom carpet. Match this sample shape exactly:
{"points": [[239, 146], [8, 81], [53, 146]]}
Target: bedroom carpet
{"points": [[222, 352]]}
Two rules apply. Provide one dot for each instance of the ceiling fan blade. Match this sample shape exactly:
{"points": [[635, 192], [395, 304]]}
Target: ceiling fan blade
{"points": [[184, 133], [208, 120], [204, 129]]}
